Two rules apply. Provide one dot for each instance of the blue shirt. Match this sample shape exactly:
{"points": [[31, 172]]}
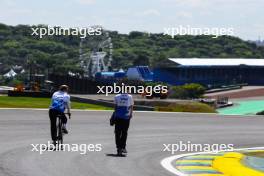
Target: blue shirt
{"points": [[123, 106], [60, 100]]}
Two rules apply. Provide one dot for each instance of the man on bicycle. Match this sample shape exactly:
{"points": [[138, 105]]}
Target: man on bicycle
{"points": [[123, 113], [60, 101]]}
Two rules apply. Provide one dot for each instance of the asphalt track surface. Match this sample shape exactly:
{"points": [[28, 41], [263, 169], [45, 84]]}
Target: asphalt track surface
{"points": [[147, 134]]}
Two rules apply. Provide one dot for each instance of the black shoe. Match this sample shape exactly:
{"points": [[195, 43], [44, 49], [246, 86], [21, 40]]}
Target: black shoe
{"points": [[119, 152], [124, 150], [54, 145], [54, 142], [64, 130]]}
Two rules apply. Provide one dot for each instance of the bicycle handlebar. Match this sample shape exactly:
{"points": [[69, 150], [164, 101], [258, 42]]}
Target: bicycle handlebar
{"points": [[69, 114]]}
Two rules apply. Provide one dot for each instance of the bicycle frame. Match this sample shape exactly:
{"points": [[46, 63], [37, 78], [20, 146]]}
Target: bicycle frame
{"points": [[59, 139], [59, 131]]}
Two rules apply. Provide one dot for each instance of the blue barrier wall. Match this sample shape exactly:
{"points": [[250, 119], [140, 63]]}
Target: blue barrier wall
{"points": [[210, 75]]}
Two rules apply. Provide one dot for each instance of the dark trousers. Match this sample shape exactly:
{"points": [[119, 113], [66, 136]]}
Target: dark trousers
{"points": [[121, 128], [53, 114]]}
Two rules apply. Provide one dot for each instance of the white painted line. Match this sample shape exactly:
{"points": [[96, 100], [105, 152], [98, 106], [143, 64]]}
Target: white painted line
{"points": [[23, 109], [167, 162], [155, 112], [164, 112], [83, 110], [200, 113], [40, 109]]}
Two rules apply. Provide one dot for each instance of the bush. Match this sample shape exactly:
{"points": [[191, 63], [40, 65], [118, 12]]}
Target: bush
{"points": [[187, 107], [260, 113], [187, 91], [155, 84], [15, 82], [1, 79]]}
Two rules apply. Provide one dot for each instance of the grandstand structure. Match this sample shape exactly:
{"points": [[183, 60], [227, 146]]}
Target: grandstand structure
{"points": [[211, 71]]}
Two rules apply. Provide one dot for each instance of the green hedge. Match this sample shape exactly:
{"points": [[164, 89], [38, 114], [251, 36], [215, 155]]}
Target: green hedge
{"points": [[187, 91], [187, 107], [260, 113]]}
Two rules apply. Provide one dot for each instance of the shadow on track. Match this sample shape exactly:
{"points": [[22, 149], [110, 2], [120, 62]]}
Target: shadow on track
{"points": [[114, 155]]}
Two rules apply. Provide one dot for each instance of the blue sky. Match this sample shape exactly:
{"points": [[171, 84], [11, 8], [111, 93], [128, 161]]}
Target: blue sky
{"points": [[245, 16]]}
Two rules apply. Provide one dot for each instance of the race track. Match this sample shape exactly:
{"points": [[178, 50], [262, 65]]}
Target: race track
{"points": [[147, 134]]}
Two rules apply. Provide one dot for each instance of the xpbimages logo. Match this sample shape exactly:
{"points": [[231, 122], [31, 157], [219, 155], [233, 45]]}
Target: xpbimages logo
{"points": [[215, 32], [117, 89], [192, 147], [81, 148], [57, 31]]}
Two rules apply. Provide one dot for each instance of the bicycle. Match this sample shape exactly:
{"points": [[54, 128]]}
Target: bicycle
{"points": [[59, 139]]}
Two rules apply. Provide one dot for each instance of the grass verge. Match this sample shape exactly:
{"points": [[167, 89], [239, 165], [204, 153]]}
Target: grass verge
{"points": [[194, 107], [255, 154], [29, 102]]}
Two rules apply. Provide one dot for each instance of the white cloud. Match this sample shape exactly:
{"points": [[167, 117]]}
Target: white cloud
{"points": [[184, 14], [195, 3], [202, 3], [86, 2], [149, 12]]}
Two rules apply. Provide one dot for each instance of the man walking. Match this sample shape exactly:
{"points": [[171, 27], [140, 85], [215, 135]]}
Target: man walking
{"points": [[122, 115]]}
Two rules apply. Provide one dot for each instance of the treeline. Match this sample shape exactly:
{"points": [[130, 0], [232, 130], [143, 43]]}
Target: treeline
{"points": [[60, 54]]}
